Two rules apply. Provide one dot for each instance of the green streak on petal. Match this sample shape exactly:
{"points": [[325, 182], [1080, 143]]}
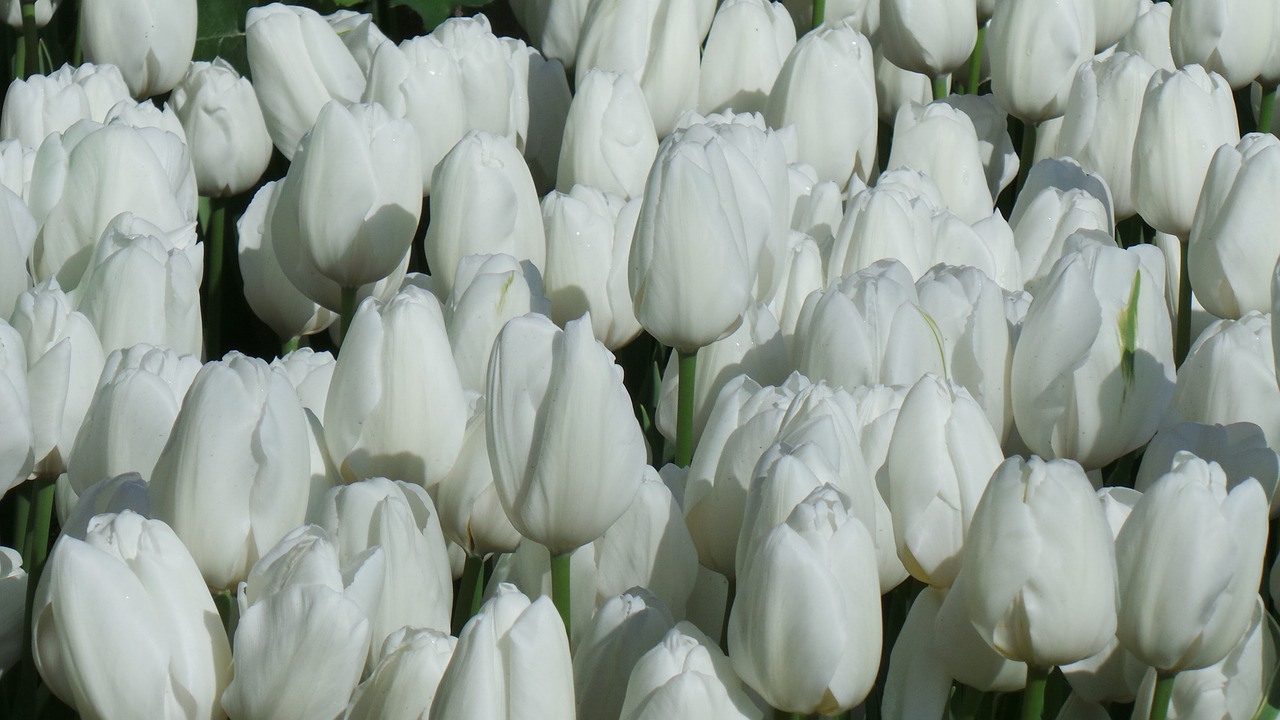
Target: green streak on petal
{"points": [[1129, 333]]}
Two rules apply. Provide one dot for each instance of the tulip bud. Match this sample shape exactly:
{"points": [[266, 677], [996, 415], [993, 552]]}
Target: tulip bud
{"points": [[1058, 200], [941, 142], [1240, 449], [224, 126], [206, 482], [931, 37], [581, 451], [16, 459], [1229, 261], [748, 42], [625, 628], [396, 407], [1149, 36], [826, 88], [44, 10], [151, 41], [686, 675], [44, 104], [1186, 116], [133, 580], [609, 138], [484, 203], [488, 291], [995, 147], [471, 516], [1036, 47], [966, 656], [1228, 37], [404, 683], [553, 26], [1187, 609], [17, 237], [13, 600]]}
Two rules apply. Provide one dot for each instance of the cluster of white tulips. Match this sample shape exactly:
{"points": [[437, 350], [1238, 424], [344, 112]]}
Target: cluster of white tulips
{"points": [[915, 425]]}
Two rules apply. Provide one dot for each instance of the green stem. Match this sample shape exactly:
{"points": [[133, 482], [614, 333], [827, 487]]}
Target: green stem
{"points": [[30, 40], [1033, 696], [684, 407], [1267, 712], [1028, 156], [348, 311], [728, 608], [940, 89], [472, 585], [41, 494], [1164, 693], [229, 611], [819, 12], [214, 253], [975, 61], [21, 516], [1267, 109], [783, 715], [560, 591], [290, 345], [1183, 343]]}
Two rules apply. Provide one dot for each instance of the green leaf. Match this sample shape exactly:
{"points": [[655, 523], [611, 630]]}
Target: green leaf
{"points": [[220, 31]]}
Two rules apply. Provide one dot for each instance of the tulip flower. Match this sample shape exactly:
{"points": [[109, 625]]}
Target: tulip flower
{"points": [[13, 600], [826, 88], [995, 147], [1149, 36], [815, 650], [205, 482], [16, 240], [44, 104], [489, 290], [609, 139], [511, 662], [1058, 199], [748, 42], [16, 458], [1036, 47], [484, 203], [151, 41], [1228, 37], [224, 126], [1188, 609], [44, 10], [941, 142], [567, 466], [1093, 368], [298, 64], [129, 588], [493, 77], [896, 87], [931, 37], [1186, 116], [891, 220], [553, 26], [396, 407], [549, 100], [304, 631], [404, 683], [1229, 264], [655, 42], [965, 655], [686, 675], [625, 628], [471, 516], [1240, 449]]}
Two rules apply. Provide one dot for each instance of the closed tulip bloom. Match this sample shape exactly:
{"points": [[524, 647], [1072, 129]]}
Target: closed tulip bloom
{"points": [[1189, 609], [1240, 449], [965, 654], [396, 407], [686, 675], [826, 88], [941, 142], [1230, 37], [694, 216], [553, 26], [150, 41], [17, 237], [63, 361], [267, 289], [129, 588], [298, 64], [931, 37], [655, 42], [1040, 564], [131, 415], [13, 600], [404, 683], [1149, 36], [625, 628], [888, 221], [896, 87], [567, 466], [44, 10], [1113, 20], [1229, 261], [511, 663], [212, 487], [88, 176], [353, 192], [298, 602], [16, 459], [609, 139], [484, 203], [489, 290], [995, 147], [494, 78], [137, 290], [44, 104], [1036, 47], [224, 126], [471, 516], [748, 42], [1059, 200], [1186, 116], [1229, 375], [805, 622], [1100, 318]]}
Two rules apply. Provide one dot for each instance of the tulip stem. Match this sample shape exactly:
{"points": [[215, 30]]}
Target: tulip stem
{"points": [[1033, 696], [1028, 156], [819, 13], [215, 242], [1183, 342], [975, 61], [560, 588], [229, 610], [1164, 693], [30, 40], [728, 609], [290, 345], [684, 407], [41, 494], [348, 312], [940, 89], [1267, 109], [470, 588]]}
